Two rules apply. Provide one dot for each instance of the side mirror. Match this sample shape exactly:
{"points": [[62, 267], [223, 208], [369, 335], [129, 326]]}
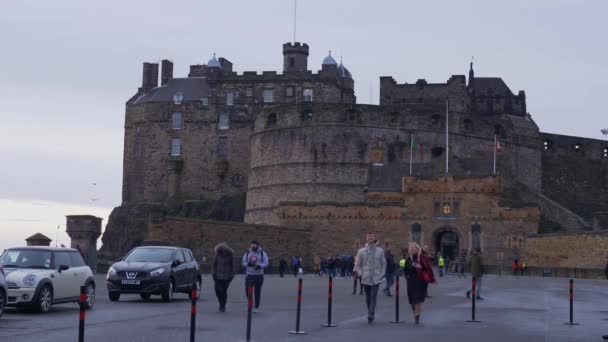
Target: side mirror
{"points": [[63, 268], [176, 263]]}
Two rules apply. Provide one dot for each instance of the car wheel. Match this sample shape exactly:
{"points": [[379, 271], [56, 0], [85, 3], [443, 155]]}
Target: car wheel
{"points": [[2, 302], [168, 295], [114, 296], [145, 296], [90, 299], [45, 299], [198, 290]]}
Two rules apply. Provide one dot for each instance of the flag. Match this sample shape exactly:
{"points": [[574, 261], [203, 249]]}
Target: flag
{"points": [[498, 146]]}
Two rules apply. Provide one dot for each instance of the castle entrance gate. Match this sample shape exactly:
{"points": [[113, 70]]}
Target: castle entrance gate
{"points": [[447, 242]]}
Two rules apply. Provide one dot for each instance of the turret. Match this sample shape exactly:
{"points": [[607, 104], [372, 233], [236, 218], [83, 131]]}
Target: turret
{"points": [[295, 57]]}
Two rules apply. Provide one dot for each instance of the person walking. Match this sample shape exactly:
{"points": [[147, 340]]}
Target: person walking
{"points": [[371, 265], [476, 272], [419, 274], [356, 278], [515, 267], [461, 263], [441, 265], [282, 267], [295, 265], [390, 272], [317, 262], [254, 261], [223, 272]]}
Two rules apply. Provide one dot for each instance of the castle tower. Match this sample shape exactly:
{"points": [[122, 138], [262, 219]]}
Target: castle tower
{"points": [[84, 230], [295, 57]]}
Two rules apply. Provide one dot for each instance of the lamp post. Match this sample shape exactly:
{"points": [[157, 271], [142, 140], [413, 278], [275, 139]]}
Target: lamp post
{"points": [[605, 133]]}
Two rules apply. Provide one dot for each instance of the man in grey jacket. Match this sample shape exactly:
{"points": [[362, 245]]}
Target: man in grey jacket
{"points": [[255, 261], [371, 265]]}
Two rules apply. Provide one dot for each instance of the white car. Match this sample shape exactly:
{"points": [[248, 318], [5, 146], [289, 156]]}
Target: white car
{"points": [[38, 277]]}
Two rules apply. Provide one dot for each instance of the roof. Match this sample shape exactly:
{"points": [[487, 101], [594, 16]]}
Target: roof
{"points": [[191, 88], [329, 60], [344, 73], [494, 85], [214, 63], [38, 236], [45, 248]]}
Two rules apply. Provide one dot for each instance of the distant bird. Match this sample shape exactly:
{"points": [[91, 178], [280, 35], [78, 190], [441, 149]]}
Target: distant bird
{"points": [[94, 199], [94, 183]]}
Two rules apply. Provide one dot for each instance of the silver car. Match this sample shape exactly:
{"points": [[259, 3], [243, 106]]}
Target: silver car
{"points": [[3, 291]]}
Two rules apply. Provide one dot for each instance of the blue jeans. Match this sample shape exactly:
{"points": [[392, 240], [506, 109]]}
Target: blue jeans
{"points": [[390, 280]]}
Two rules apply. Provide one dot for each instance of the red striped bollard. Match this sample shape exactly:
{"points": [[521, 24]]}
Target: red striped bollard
{"points": [[397, 301], [194, 296], [474, 296], [297, 331], [571, 304], [249, 308], [82, 301], [329, 301]]}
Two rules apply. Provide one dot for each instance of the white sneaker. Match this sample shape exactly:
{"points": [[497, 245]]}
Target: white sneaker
{"points": [[256, 310]]}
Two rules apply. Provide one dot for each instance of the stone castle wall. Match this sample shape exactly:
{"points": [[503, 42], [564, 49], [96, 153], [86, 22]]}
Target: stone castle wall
{"points": [[584, 250]]}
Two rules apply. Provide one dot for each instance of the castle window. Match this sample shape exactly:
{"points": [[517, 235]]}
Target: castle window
{"points": [[205, 101], [292, 62], [176, 120], [222, 147], [176, 147], [547, 144], [307, 95], [467, 124], [435, 120], [307, 116], [578, 147], [476, 236], [416, 232], [223, 122], [605, 152], [237, 180], [268, 96], [437, 151], [177, 98], [289, 91], [271, 121], [249, 92], [230, 99]]}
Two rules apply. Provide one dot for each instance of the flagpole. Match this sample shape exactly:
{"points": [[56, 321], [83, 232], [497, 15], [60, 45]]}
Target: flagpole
{"points": [[447, 146], [494, 154], [411, 153]]}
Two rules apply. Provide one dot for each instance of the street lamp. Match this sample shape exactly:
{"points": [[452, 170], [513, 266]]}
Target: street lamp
{"points": [[605, 133]]}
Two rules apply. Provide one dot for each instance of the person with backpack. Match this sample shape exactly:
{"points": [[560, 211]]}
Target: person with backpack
{"points": [[223, 272], [254, 261], [295, 265]]}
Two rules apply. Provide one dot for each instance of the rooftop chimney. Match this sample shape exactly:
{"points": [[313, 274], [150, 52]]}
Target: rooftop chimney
{"points": [[166, 71]]}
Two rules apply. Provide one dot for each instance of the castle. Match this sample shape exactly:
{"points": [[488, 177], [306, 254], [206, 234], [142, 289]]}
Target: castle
{"points": [[291, 155]]}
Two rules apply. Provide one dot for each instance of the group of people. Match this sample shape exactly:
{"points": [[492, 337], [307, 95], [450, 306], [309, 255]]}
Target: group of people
{"points": [[335, 266]]}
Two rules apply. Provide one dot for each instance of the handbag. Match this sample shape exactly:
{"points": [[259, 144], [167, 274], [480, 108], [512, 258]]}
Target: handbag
{"points": [[425, 276]]}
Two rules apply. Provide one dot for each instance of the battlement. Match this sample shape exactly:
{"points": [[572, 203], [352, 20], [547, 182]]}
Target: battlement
{"points": [[422, 92], [448, 184]]}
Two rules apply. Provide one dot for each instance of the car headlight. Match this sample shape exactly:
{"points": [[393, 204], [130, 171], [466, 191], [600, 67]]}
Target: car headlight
{"points": [[29, 280], [157, 272], [111, 272]]}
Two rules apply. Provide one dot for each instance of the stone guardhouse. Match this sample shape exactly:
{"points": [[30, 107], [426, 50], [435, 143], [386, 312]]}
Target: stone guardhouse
{"points": [[446, 215]]}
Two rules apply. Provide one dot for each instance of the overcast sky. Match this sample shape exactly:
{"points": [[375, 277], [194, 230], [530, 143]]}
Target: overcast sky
{"points": [[67, 68]]}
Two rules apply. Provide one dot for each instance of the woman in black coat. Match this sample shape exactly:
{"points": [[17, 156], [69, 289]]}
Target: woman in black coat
{"points": [[223, 272], [417, 288]]}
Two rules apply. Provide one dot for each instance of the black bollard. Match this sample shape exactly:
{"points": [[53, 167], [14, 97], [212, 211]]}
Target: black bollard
{"points": [[193, 312], [297, 331], [474, 297], [329, 301], [397, 302], [249, 308], [571, 304], [83, 298]]}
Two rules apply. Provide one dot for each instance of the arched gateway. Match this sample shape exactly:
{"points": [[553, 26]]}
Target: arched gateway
{"points": [[447, 242]]}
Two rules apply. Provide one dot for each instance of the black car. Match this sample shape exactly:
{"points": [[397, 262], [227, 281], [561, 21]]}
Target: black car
{"points": [[153, 270]]}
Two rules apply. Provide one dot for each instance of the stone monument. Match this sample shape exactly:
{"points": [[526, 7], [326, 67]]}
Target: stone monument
{"points": [[84, 230]]}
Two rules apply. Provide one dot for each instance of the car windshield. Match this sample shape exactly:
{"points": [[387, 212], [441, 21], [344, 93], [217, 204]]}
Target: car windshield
{"points": [[149, 255], [26, 258]]}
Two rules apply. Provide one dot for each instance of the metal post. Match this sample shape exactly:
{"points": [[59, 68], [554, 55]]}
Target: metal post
{"points": [[397, 290], [329, 302], [249, 308], [299, 309], [571, 304], [474, 296], [83, 298], [194, 295]]}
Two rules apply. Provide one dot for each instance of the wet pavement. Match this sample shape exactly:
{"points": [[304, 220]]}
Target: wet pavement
{"points": [[515, 309]]}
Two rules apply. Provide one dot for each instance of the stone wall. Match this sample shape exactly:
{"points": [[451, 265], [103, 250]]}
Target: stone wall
{"points": [[201, 236], [577, 178], [585, 250]]}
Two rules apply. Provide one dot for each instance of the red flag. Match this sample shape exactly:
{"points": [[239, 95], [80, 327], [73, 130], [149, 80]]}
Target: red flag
{"points": [[498, 146]]}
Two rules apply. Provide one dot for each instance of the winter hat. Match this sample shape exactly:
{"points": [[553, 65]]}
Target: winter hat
{"points": [[255, 242]]}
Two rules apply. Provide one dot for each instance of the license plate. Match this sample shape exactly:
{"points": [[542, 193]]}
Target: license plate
{"points": [[131, 282]]}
